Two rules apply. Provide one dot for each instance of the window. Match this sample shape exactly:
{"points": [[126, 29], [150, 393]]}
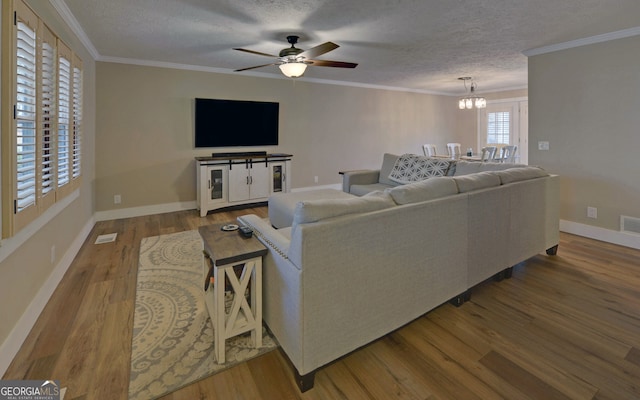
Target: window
{"points": [[498, 127], [41, 133]]}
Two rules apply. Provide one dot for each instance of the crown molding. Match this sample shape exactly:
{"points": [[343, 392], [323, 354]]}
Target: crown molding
{"points": [[605, 37], [72, 22], [199, 68]]}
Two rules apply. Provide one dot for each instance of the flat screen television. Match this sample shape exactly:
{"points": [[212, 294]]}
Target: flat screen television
{"points": [[231, 123]]}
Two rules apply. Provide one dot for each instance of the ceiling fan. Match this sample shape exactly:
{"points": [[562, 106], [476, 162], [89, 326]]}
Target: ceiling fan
{"points": [[294, 61]]}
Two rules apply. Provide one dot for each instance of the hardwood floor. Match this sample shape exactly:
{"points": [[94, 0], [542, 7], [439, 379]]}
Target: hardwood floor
{"points": [[563, 327]]}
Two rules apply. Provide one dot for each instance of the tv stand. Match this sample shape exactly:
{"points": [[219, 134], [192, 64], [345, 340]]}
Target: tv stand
{"points": [[232, 179]]}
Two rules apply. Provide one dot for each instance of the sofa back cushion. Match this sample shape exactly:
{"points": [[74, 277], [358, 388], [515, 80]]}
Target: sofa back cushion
{"points": [[520, 174], [428, 189], [410, 168], [388, 161], [316, 210], [471, 167], [480, 180]]}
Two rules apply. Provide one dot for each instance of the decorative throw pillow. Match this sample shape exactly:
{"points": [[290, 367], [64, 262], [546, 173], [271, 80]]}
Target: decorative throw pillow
{"points": [[413, 168]]}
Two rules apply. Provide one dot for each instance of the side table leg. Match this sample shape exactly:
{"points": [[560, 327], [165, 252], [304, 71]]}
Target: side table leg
{"points": [[256, 302], [218, 323]]}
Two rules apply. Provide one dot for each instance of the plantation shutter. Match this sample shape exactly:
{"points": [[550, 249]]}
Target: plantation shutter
{"points": [[47, 117], [25, 195], [498, 128], [77, 120], [64, 121], [41, 150]]}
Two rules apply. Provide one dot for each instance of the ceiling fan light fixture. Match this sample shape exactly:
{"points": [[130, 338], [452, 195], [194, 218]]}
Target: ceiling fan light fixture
{"points": [[293, 69]]}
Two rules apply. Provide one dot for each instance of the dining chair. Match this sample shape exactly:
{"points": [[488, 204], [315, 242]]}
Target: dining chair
{"points": [[454, 150], [429, 149], [488, 153], [508, 154]]}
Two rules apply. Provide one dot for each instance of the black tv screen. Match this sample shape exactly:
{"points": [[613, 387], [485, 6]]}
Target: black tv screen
{"points": [[230, 123]]}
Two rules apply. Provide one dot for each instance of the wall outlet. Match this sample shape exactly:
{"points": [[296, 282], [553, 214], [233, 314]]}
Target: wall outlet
{"points": [[592, 212], [315, 179], [117, 199], [543, 145]]}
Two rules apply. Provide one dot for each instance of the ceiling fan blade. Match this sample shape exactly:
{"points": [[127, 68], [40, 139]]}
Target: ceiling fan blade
{"points": [[328, 63], [257, 66], [256, 52], [319, 50]]}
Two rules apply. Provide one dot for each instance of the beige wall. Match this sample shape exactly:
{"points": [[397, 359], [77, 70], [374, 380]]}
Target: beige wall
{"points": [[145, 140], [26, 264], [586, 102]]}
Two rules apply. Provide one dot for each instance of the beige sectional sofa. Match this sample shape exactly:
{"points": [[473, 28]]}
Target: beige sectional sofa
{"points": [[350, 270], [361, 182]]}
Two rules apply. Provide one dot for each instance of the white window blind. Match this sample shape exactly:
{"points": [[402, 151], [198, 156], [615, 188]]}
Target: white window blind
{"points": [[64, 109], [47, 114], [25, 117], [77, 119], [498, 127], [43, 119]]}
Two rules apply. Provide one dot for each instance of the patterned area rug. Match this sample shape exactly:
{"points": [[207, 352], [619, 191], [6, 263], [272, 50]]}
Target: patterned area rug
{"points": [[172, 331]]}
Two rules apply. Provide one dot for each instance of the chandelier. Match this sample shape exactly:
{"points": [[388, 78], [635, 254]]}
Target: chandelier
{"points": [[471, 100]]}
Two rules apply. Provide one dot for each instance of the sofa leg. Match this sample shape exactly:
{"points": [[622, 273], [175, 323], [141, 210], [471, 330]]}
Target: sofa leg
{"points": [[305, 382], [552, 251], [508, 273], [461, 298]]}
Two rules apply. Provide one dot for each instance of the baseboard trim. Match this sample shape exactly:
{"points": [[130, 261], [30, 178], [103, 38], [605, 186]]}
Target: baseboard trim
{"points": [[605, 235], [144, 210], [21, 330]]}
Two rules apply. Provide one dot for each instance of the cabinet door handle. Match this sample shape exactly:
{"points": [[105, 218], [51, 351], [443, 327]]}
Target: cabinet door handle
{"points": [[209, 181], [247, 180]]}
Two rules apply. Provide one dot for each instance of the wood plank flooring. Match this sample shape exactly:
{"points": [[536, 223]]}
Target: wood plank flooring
{"points": [[563, 327]]}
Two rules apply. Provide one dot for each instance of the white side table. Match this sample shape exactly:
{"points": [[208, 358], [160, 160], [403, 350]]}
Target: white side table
{"points": [[226, 251]]}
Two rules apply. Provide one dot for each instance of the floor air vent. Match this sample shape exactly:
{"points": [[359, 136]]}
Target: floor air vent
{"points": [[111, 237], [630, 224]]}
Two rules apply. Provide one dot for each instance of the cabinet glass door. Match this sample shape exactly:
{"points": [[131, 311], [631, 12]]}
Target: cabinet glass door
{"points": [[277, 178], [216, 184]]}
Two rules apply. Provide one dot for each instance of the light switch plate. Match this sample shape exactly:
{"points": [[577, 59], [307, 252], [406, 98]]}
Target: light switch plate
{"points": [[543, 145]]}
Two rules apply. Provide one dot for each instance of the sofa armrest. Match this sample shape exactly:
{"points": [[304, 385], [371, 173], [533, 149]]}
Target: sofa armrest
{"points": [[359, 177], [267, 234]]}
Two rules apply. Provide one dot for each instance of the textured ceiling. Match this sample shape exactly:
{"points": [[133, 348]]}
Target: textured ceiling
{"points": [[422, 45]]}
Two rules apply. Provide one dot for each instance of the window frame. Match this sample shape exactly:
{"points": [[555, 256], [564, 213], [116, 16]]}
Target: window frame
{"points": [[26, 196]]}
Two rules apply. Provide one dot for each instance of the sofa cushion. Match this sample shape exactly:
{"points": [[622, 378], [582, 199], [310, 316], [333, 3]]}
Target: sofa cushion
{"points": [[481, 180], [520, 174], [361, 190], [388, 161], [428, 189], [471, 167], [413, 168], [282, 205], [316, 210]]}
